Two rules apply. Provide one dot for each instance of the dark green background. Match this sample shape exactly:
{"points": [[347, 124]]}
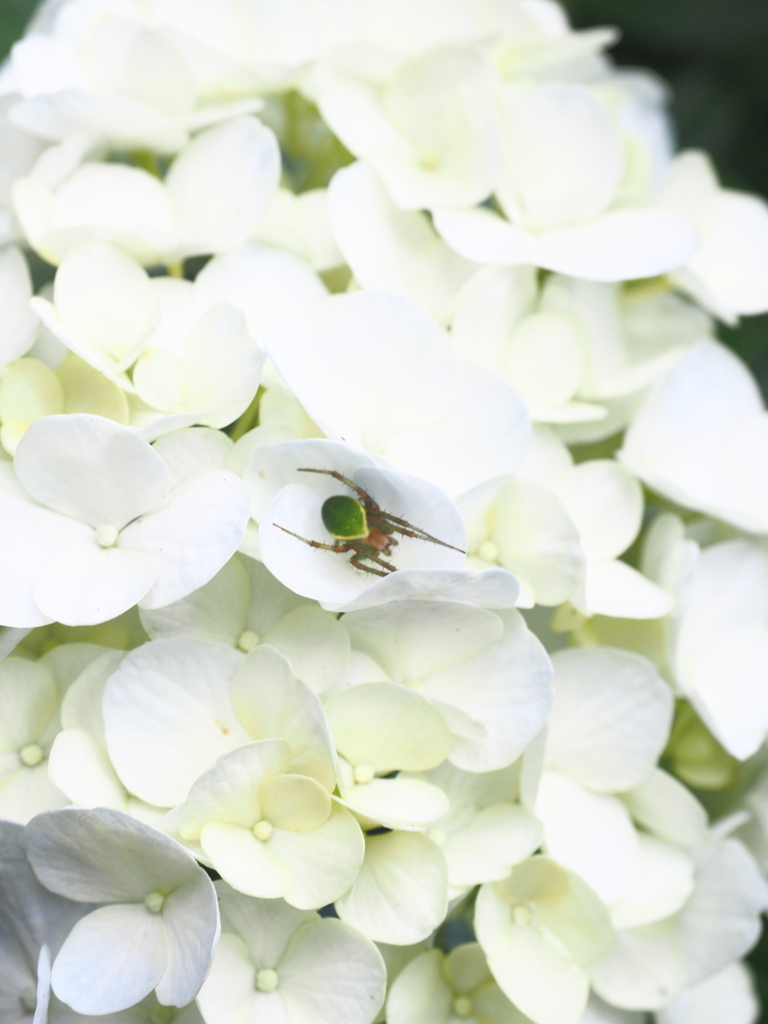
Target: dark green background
{"points": [[714, 54]]}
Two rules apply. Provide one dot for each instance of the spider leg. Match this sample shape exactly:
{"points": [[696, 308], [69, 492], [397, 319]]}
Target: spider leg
{"points": [[366, 568], [363, 495], [365, 551], [338, 548], [405, 529]]}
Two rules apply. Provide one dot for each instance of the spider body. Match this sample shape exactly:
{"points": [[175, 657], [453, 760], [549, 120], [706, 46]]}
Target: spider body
{"points": [[361, 526]]}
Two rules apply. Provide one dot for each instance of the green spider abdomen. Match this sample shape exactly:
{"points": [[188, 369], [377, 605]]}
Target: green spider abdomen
{"points": [[344, 517]]}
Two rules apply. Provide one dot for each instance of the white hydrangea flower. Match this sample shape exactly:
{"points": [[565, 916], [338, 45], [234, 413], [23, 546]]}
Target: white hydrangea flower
{"points": [[269, 831], [290, 508], [541, 929], [429, 128], [391, 249], [562, 168], [99, 528], [487, 830], [278, 963], [647, 967], [443, 988], [31, 694], [197, 700], [483, 671], [727, 994], [522, 525], [160, 922], [213, 198]]}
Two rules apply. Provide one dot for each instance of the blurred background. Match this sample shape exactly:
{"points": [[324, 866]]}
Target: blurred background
{"points": [[713, 55]]}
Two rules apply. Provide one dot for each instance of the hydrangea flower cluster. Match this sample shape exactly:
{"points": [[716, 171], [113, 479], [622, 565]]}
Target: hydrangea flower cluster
{"points": [[384, 580]]}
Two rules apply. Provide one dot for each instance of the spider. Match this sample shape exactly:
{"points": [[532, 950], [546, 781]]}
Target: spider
{"points": [[361, 526]]}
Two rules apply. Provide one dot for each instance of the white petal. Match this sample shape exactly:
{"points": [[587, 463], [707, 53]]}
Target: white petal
{"points": [[168, 715], [664, 806], [222, 183], [497, 838], [611, 717], [241, 859], [618, 590], [39, 538], [572, 817], [397, 331], [20, 324], [112, 958], [400, 895], [103, 855], [486, 434], [663, 883], [399, 251], [105, 299], [323, 863], [606, 503], [721, 921], [94, 586], [229, 993], [192, 535], [91, 468], [332, 974], [191, 919]]}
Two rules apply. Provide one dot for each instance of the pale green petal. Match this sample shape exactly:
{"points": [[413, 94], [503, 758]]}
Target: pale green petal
{"points": [[420, 993], [387, 727], [324, 863], [399, 803], [546, 987], [294, 803], [247, 863], [228, 792]]}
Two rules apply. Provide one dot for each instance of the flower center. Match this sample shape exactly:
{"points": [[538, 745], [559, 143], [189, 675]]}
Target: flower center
{"points": [[106, 535], [266, 980], [31, 755], [154, 902], [462, 1007], [248, 640], [263, 830], [523, 914], [363, 773], [488, 551], [429, 160]]}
